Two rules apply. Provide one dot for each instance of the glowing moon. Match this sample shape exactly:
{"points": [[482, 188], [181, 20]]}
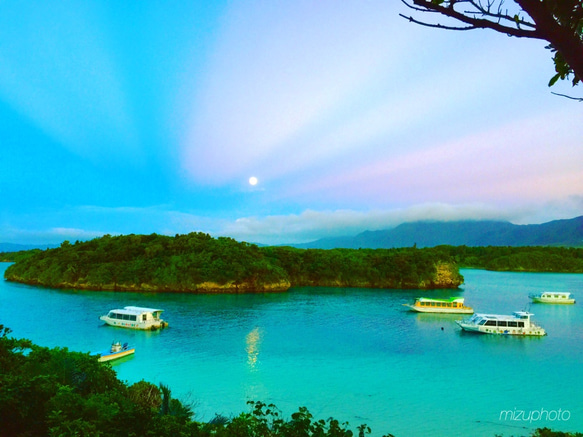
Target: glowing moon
{"points": [[253, 180]]}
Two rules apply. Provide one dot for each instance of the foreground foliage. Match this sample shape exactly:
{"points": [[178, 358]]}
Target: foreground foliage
{"points": [[198, 262], [55, 392], [546, 432]]}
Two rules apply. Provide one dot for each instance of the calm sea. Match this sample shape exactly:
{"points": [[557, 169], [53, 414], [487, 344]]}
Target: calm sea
{"points": [[353, 354]]}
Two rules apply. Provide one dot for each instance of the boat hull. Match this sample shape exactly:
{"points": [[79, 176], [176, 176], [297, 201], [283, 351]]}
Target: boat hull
{"points": [[146, 326], [107, 356], [553, 301], [438, 310], [521, 332]]}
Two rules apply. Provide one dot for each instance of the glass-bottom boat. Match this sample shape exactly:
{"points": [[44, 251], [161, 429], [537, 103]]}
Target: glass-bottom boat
{"points": [[453, 305], [553, 297], [519, 323], [135, 318]]}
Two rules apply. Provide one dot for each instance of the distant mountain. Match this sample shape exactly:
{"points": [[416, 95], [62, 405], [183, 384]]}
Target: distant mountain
{"points": [[11, 247], [461, 233]]}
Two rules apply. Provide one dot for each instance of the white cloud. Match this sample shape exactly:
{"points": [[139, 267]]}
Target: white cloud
{"points": [[312, 225], [292, 228], [49, 236]]}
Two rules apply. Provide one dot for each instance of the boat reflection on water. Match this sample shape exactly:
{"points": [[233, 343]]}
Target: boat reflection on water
{"points": [[253, 340]]}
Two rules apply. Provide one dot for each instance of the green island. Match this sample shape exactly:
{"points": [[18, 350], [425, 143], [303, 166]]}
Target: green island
{"points": [[544, 259], [199, 263], [56, 392]]}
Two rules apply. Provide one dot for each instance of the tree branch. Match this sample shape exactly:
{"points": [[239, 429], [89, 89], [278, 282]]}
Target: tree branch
{"points": [[437, 26], [469, 17], [579, 99], [564, 39], [560, 22]]}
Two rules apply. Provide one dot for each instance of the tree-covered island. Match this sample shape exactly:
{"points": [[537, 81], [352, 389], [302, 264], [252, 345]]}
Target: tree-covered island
{"points": [[199, 263], [196, 262]]}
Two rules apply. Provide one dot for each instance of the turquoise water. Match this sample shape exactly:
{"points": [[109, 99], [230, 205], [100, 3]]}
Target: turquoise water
{"points": [[352, 354]]}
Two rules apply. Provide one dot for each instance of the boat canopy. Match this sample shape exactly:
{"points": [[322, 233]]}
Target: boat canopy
{"points": [[515, 315], [451, 299], [136, 311]]}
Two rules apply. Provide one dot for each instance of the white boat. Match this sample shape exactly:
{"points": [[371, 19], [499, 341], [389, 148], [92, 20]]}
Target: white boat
{"points": [[553, 297], [117, 350], [453, 305], [135, 318], [519, 323]]}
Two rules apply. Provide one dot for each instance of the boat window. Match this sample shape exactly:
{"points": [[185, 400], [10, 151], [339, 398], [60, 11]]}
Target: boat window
{"points": [[482, 322], [502, 323], [117, 316], [513, 324], [111, 315], [133, 318], [144, 317], [126, 316], [521, 324], [491, 323]]}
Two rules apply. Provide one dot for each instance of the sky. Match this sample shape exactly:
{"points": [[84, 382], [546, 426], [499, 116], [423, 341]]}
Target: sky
{"points": [[152, 117]]}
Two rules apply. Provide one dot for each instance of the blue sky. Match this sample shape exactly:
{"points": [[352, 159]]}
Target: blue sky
{"points": [[141, 117]]}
